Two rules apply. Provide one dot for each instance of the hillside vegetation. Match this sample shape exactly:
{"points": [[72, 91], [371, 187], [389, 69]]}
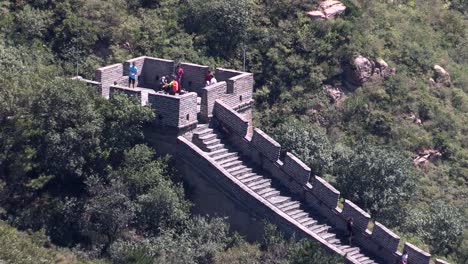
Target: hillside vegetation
{"points": [[67, 157]]}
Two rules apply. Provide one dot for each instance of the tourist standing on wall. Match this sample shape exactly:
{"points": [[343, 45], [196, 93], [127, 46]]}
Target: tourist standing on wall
{"points": [[132, 75], [404, 258], [173, 86], [212, 80], [349, 229], [179, 72]]}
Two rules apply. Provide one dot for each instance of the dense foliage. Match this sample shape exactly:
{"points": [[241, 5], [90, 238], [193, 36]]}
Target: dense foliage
{"points": [[69, 160]]}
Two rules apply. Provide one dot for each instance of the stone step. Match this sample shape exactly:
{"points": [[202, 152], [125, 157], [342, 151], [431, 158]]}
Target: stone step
{"points": [[263, 192], [321, 230], [247, 175], [231, 164], [238, 167], [308, 222], [261, 186], [299, 216], [334, 241], [362, 258], [218, 153], [286, 204], [228, 159], [354, 253], [327, 236], [317, 227], [203, 132], [225, 156], [212, 142], [271, 194], [369, 261], [215, 147], [259, 182], [277, 199], [351, 250], [207, 137], [240, 171], [253, 178], [291, 207], [294, 211]]}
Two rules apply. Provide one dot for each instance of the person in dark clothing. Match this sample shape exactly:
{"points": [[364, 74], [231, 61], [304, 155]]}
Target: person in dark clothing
{"points": [[349, 229]]}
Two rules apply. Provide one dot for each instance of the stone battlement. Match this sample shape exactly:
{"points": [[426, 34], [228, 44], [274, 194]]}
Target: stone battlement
{"points": [[227, 105], [177, 112]]}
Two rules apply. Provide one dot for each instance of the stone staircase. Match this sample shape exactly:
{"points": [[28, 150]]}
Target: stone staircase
{"points": [[221, 152]]}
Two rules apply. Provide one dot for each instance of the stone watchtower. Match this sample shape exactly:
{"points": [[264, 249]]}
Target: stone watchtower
{"points": [[178, 114], [233, 170]]}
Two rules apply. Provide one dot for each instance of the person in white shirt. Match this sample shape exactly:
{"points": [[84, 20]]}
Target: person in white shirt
{"points": [[212, 80]]}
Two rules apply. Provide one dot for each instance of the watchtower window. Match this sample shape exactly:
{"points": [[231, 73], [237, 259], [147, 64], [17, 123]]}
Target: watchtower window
{"points": [[240, 98]]}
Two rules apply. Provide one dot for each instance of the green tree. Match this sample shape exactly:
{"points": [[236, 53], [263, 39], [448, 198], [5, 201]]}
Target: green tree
{"points": [[378, 179], [441, 226], [308, 142]]}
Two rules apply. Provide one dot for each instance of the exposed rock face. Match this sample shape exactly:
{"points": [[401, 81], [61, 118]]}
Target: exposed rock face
{"points": [[441, 76], [363, 70], [415, 119], [333, 93], [425, 156], [328, 9]]}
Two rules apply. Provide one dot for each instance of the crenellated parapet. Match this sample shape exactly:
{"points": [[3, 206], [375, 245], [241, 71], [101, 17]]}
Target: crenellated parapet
{"points": [[177, 112], [317, 193]]}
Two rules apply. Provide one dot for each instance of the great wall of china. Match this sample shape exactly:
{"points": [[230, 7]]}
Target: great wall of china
{"points": [[238, 171]]}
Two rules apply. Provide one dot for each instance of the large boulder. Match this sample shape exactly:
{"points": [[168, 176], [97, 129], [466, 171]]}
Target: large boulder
{"points": [[441, 76], [362, 70], [425, 156], [328, 9]]}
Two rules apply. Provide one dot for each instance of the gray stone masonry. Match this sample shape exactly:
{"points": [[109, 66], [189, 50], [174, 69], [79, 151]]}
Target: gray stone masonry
{"points": [[325, 192], [235, 91], [230, 118], [153, 69], [174, 111], [385, 237], [266, 145], [193, 79], [322, 196], [295, 167], [361, 218], [416, 255]]}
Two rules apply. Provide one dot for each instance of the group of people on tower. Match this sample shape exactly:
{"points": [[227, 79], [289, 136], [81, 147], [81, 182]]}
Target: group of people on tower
{"points": [[172, 84]]}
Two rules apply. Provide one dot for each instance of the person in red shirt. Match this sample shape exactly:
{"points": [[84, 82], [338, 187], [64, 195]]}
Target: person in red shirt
{"points": [[179, 72], [173, 86], [208, 76]]}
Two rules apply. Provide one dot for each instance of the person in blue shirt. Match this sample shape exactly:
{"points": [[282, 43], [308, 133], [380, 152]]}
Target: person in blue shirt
{"points": [[132, 75]]}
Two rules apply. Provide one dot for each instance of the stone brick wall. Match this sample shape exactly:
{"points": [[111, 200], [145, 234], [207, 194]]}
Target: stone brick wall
{"points": [[193, 79], [209, 95], [153, 69], [174, 111], [246, 199], [233, 120], [325, 192], [108, 75], [416, 255], [266, 145], [361, 218], [235, 92], [225, 74], [296, 168], [125, 90], [384, 237], [320, 195]]}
